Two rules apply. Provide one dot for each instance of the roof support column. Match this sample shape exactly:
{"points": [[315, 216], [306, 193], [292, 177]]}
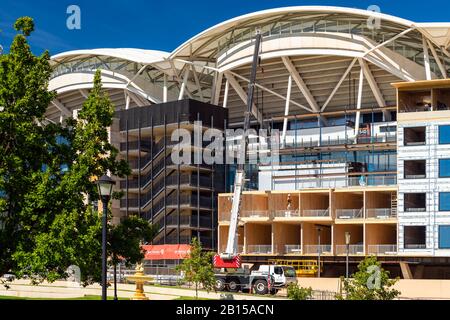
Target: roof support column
{"points": [[183, 85], [165, 88], [374, 87], [225, 95], [286, 111], [438, 61], [127, 100], [241, 93], [359, 103], [217, 87], [426, 57]]}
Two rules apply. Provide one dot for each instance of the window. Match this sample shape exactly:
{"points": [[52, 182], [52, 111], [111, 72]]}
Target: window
{"points": [[415, 202], [415, 237], [414, 136], [444, 237], [444, 201], [444, 168], [415, 169]]}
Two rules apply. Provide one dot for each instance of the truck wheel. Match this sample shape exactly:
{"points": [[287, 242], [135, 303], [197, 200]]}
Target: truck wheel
{"points": [[261, 287], [220, 285], [233, 285]]}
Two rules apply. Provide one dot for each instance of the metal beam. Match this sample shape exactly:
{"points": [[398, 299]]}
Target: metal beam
{"points": [[426, 57], [165, 88], [438, 61], [58, 104], [197, 82], [271, 91], [241, 93], [301, 84], [136, 99], [183, 84], [84, 93], [374, 87], [217, 88], [225, 95], [286, 110], [359, 103], [388, 41], [336, 88]]}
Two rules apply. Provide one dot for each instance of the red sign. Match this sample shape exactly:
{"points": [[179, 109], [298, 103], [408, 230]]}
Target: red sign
{"points": [[166, 251]]}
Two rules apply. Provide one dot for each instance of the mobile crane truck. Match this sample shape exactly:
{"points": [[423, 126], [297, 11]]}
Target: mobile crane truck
{"points": [[232, 277]]}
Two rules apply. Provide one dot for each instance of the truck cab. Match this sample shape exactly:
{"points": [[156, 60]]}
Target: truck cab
{"points": [[282, 275]]}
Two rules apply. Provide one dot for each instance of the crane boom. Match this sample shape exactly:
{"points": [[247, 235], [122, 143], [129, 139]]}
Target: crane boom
{"points": [[230, 258]]}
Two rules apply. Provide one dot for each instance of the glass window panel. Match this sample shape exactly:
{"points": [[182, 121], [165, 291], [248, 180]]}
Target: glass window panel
{"points": [[444, 168]]}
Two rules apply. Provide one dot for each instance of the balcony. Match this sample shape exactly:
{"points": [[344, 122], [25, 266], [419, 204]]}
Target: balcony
{"points": [[382, 249], [353, 249], [381, 213], [255, 214], [349, 213], [189, 221], [316, 249], [191, 180], [292, 249], [286, 214], [316, 213], [144, 146], [259, 249]]}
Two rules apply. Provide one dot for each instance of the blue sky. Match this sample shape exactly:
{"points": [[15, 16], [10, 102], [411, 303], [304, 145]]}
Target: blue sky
{"points": [[163, 24]]}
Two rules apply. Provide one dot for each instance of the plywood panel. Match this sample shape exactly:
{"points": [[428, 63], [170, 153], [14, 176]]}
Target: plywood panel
{"points": [[258, 234], [356, 234], [285, 234]]}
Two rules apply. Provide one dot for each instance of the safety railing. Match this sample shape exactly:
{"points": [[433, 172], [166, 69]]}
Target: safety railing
{"points": [[381, 213], [315, 249], [382, 249], [353, 249], [259, 249], [415, 246], [349, 213], [189, 221], [286, 214], [316, 212], [255, 214], [292, 249]]}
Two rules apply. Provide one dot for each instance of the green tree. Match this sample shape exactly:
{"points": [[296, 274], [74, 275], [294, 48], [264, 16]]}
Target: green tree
{"points": [[46, 172], [370, 282], [295, 292], [198, 268]]}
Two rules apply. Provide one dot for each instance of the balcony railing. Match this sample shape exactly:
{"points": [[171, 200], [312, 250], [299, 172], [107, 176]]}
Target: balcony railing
{"points": [[349, 213], [415, 176], [353, 249], [381, 213], [292, 249], [189, 221], [382, 249], [240, 248], [415, 209], [190, 179], [315, 249], [286, 214], [255, 214], [316, 213], [259, 249], [415, 246]]}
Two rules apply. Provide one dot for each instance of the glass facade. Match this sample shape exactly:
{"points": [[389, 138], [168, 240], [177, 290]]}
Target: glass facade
{"points": [[444, 168], [444, 201], [444, 134], [444, 237]]}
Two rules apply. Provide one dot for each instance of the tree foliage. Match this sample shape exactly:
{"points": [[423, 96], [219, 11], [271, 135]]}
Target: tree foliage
{"points": [[46, 173], [198, 268], [370, 282], [295, 292]]}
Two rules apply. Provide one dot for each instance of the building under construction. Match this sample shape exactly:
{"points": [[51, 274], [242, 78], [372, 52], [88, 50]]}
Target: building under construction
{"points": [[361, 103]]}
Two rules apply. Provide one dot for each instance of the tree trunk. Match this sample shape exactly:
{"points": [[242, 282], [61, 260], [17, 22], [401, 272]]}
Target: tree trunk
{"points": [[196, 291]]}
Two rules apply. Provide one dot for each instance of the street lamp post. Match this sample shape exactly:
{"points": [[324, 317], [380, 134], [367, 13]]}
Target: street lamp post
{"points": [[347, 244], [105, 187]]}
